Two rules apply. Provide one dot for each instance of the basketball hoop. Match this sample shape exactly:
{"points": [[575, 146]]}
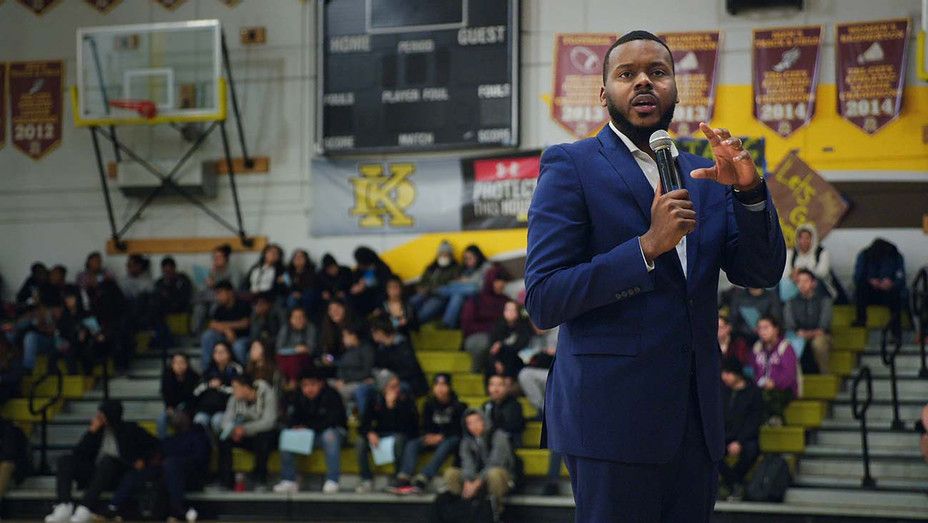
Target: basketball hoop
{"points": [[145, 108]]}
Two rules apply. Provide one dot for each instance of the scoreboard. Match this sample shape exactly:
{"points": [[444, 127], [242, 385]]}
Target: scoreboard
{"points": [[416, 75]]}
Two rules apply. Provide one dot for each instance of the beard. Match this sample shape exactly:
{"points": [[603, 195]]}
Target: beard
{"points": [[638, 134]]}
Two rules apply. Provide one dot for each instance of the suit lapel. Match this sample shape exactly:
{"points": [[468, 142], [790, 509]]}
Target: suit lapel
{"points": [[618, 155], [695, 188]]}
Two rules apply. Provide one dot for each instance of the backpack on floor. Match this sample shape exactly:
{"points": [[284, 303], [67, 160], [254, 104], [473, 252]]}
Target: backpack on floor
{"points": [[770, 481], [448, 508]]}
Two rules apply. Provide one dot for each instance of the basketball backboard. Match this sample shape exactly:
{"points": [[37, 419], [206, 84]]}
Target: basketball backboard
{"points": [[174, 66]]}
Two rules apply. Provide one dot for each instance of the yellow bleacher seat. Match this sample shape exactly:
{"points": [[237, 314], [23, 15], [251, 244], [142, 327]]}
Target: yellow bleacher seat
{"points": [[782, 439], [842, 362], [805, 413], [820, 386], [442, 361], [850, 338], [178, 324], [18, 410]]}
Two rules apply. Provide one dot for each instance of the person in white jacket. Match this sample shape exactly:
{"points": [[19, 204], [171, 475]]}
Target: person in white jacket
{"points": [[809, 254]]}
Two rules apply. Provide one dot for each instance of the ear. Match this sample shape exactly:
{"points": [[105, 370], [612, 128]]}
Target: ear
{"points": [[602, 96]]}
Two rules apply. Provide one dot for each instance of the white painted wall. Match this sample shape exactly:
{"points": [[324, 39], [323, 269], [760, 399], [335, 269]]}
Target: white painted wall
{"points": [[52, 210]]}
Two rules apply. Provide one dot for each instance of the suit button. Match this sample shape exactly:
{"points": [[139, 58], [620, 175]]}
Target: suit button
{"points": [[685, 349], [637, 290], [618, 296]]}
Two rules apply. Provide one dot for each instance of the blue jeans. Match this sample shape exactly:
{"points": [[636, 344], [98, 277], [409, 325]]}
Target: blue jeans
{"points": [[428, 306], [363, 448], [455, 293], [210, 338], [447, 447], [210, 421], [35, 343], [330, 441], [162, 424]]}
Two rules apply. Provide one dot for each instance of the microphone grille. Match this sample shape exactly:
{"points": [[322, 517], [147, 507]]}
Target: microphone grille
{"points": [[660, 140]]}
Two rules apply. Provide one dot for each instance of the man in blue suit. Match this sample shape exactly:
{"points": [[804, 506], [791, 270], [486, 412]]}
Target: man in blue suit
{"points": [[630, 274]]}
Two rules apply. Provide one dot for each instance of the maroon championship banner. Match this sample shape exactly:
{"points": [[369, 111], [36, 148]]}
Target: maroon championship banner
{"points": [[2, 104], [35, 106], [578, 75], [39, 7], [785, 76], [170, 4], [695, 58], [871, 71], [104, 6]]}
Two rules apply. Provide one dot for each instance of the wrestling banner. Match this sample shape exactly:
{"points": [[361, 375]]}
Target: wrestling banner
{"points": [[35, 106], [695, 59], [578, 75]]}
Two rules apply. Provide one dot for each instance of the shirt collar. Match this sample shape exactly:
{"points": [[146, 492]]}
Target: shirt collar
{"points": [[632, 147]]}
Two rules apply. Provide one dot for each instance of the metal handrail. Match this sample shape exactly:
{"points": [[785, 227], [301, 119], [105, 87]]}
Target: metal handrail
{"points": [[52, 372], [889, 359], [859, 410], [920, 316]]}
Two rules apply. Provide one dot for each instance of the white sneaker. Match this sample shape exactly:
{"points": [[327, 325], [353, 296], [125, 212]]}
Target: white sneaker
{"points": [[82, 515], [191, 515], [287, 486], [366, 487], [330, 487], [61, 513]]}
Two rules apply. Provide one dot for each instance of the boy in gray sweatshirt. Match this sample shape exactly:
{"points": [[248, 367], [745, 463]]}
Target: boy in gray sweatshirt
{"points": [[250, 422]]}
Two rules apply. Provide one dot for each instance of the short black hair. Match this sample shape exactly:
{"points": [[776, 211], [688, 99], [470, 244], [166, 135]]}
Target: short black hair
{"points": [[384, 325], [167, 260], [806, 271], [223, 285], [629, 37], [773, 321], [245, 380]]}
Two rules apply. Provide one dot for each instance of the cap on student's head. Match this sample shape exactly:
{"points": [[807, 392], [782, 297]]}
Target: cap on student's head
{"points": [[442, 377], [445, 247]]}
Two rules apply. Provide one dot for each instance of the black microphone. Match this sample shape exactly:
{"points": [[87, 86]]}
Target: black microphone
{"points": [[660, 143]]}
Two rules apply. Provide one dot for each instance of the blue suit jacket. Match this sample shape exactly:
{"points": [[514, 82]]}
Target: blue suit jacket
{"points": [[619, 387]]}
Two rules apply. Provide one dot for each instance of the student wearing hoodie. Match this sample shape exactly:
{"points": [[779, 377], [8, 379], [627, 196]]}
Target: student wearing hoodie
{"points": [[333, 279], [809, 254], [104, 454], [743, 413], [427, 302], [368, 281], [441, 431], [776, 369], [249, 422], [319, 408], [395, 354], [178, 381], [879, 279], [503, 410], [392, 413], [511, 335], [480, 314], [487, 462]]}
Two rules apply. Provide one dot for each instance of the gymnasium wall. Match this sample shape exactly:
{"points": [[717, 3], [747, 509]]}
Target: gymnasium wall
{"points": [[52, 210]]}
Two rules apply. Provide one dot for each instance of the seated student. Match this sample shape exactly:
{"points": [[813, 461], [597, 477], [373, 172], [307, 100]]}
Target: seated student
{"points": [[534, 377], [79, 336], [426, 302], [480, 314], [109, 449], [185, 455], [749, 305], [354, 370], [734, 346], [512, 334], [138, 288], [808, 315], [220, 270], [338, 315], [397, 309], [503, 410], [94, 272], [775, 369], [212, 394], [301, 282], [810, 255], [40, 336], [392, 413], [466, 285], [266, 319], [295, 344], [178, 382], [441, 431], [173, 294], [743, 413], [487, 462], [249, 422], [30, 293], [395, 354], [15, 456], [261, 366], [267, 274], [229, 322], [319, 408], [334, 279], [368, 281], [879, 279]]}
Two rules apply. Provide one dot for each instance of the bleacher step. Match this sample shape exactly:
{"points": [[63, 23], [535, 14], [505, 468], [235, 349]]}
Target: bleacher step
{"points": [[843, 482], [856, 498], [819, 450], [908, 389], [875, 439], [879, 412]]}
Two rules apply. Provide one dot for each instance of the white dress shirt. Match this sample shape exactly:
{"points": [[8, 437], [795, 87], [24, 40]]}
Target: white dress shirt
{"points": [[649, 168]]}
